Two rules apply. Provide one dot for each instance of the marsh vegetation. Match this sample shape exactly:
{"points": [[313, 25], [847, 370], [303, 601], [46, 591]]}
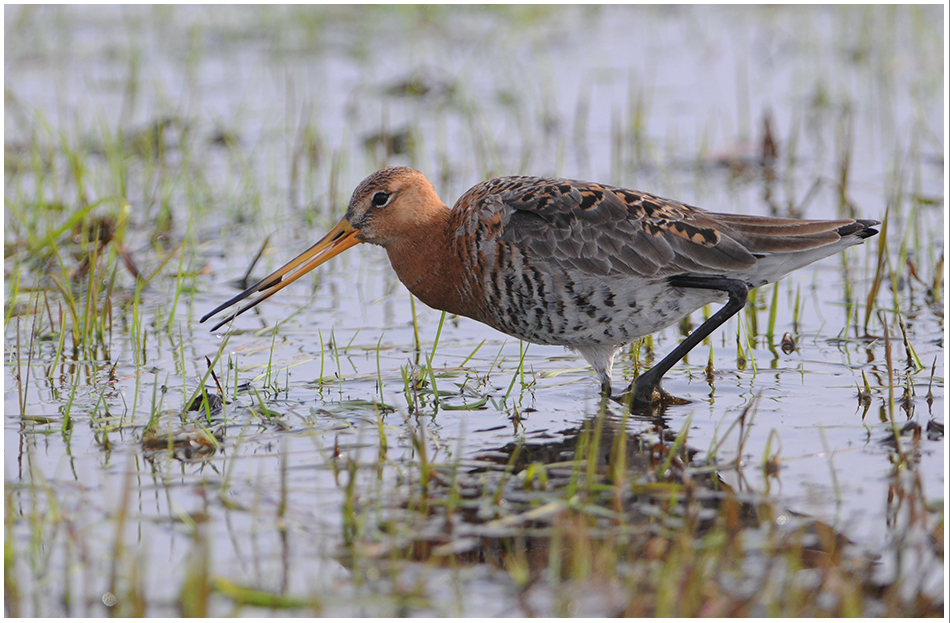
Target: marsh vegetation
{"points": [[345, 450]]}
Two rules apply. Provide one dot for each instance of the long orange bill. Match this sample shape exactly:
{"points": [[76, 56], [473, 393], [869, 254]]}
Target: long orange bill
{"points": [[340, 238]]}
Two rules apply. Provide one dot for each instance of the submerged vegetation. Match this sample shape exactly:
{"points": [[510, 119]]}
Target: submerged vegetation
{"points": [[347, 451]]}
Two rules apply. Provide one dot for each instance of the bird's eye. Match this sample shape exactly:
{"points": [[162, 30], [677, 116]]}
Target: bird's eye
{"points": [[380, 199]]}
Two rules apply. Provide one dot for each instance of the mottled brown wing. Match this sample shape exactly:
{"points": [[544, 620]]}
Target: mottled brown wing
{"points": [[604, 230]]}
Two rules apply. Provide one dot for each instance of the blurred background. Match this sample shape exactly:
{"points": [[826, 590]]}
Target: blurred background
{"points": [[151, 153]]}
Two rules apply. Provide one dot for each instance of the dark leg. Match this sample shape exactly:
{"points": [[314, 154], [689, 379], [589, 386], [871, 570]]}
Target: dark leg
{"points": [[640, 392]]}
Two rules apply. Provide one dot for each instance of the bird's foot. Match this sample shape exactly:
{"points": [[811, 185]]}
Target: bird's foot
{"points": [[646, 392]]}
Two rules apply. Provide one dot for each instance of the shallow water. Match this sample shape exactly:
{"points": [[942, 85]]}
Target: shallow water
{"points": [[666, 100]]}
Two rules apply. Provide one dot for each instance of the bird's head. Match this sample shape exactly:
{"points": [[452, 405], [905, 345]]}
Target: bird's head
{"points": [[384, 208]]}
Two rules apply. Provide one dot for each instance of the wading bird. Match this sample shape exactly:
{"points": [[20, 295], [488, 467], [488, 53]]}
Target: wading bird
{"points": [[580, 264]]}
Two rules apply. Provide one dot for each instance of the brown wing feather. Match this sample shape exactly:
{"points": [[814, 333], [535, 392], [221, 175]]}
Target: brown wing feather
{"points": [[604, 229], [764, 234]]}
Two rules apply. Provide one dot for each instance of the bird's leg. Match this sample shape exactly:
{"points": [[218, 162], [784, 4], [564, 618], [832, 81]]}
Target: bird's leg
{"points": [[640, 392]]}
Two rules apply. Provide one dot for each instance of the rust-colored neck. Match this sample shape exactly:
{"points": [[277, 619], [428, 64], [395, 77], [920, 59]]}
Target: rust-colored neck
{"points": [[427, 263]]}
